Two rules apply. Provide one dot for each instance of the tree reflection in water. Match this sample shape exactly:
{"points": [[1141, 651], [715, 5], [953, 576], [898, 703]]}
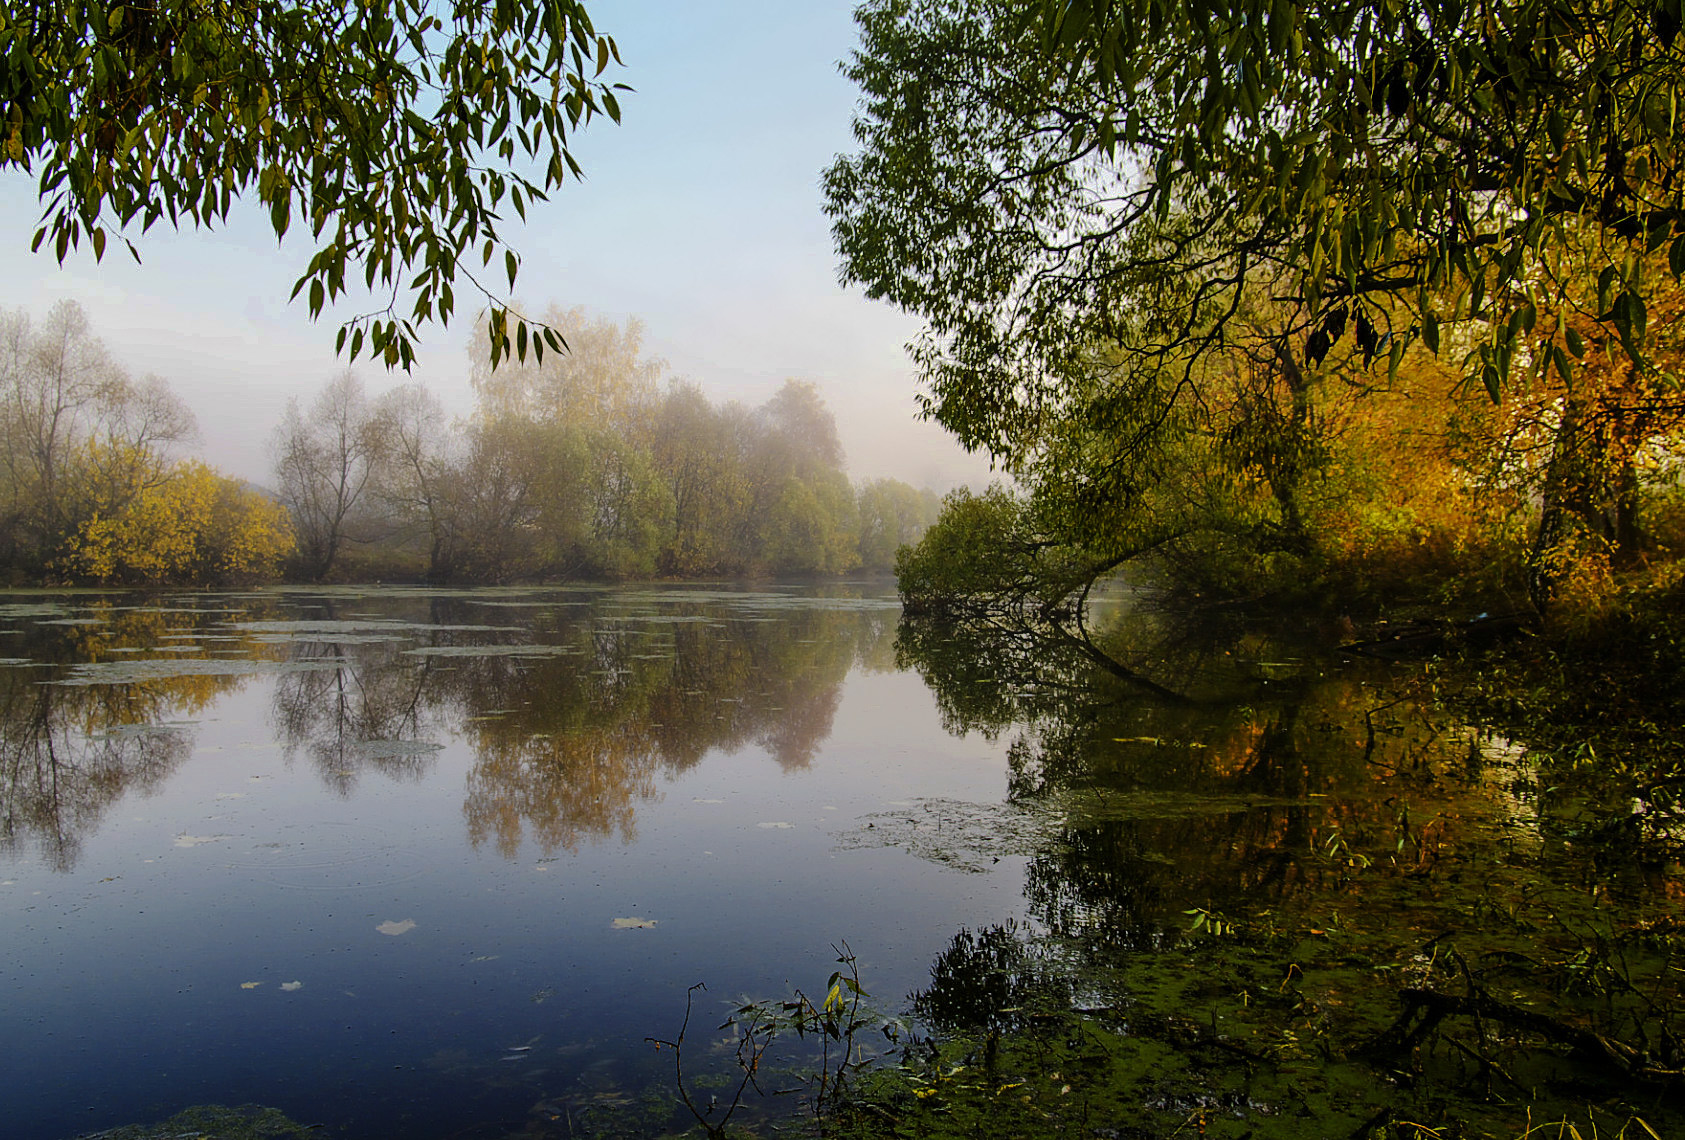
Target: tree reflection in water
{"points": [[994, 979], [1257, 855], [573, 718], [583, 738], [1218, 796], [70, 750], [573, 723], [359, 706]]}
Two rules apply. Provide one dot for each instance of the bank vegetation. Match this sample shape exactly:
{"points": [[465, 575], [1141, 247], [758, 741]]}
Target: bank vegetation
{"points": [[590, 464]]}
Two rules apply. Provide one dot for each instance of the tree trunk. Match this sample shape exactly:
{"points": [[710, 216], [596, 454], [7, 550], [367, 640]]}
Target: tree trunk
{"points": [[1625, 533], [1563, 487]]}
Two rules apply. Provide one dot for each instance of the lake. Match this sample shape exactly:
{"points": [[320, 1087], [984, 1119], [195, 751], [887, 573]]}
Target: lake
{"points": [[423, 863]]}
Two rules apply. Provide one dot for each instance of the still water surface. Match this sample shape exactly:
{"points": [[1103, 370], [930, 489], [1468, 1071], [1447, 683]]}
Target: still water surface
{"points": [[406, 862], [435, 864]]}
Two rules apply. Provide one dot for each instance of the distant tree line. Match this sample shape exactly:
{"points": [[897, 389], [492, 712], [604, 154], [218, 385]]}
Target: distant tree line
{"points": [[584, 465], [589, 464]]}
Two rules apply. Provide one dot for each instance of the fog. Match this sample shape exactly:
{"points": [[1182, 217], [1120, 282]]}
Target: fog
{"points": [[700, 215]]}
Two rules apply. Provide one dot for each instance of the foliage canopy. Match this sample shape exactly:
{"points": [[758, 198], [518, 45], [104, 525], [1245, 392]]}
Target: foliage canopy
{"points": [[1147, 237], [1120, 168], [397, 131]]}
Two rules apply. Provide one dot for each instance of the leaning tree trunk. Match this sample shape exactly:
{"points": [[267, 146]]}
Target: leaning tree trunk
{"points": [[1564, 486]]}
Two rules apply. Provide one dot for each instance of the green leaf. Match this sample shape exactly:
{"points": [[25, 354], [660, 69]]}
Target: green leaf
{"points": [[1605, 289], [1564, 368], [338, 100]]}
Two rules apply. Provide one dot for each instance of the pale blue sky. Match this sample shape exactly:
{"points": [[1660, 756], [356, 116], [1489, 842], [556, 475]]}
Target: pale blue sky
{"points": [[700, 214]]}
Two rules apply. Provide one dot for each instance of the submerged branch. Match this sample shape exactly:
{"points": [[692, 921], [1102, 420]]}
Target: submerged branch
{"points": [[1425, 1009]]}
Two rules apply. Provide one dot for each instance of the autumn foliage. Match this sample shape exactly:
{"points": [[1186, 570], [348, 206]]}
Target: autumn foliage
{"points": [[190, 525], [90, 488]]}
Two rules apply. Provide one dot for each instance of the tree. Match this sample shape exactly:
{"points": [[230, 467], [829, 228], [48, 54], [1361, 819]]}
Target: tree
{"points": [[247, 533], [980, 547], [57, 383], [1448, 148], [1099, 206], [325, 462], [797, 513], [628, 506], [812, 527], [892, 515], [604, 378], [78, 434], [398, 135], [695, 447], [501, 501], [188, 525], [416, 480], [600, 508], [802, 430], [1585, 441]]}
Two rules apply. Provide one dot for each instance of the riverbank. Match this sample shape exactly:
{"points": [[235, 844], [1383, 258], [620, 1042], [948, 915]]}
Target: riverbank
{"points": [[1496, 959]]}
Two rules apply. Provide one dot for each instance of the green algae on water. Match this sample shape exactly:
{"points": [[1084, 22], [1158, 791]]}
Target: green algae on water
{"points": [[205, 1121]]}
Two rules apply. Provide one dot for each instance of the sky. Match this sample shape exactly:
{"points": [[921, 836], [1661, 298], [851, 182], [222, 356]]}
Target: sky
{"points": [[700, 214]]}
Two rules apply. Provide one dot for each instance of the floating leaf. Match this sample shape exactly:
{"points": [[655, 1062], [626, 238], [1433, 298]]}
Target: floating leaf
{"points": [[396, 928]]}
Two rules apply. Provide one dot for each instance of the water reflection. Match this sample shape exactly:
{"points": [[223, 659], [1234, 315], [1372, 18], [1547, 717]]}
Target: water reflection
{"points": [[57, 781], [574, 710], [1230, 791], [1289, 844], [994, 979], [566, 746], [1249, 780], [361, 707], [71, 750], [573, 718]]}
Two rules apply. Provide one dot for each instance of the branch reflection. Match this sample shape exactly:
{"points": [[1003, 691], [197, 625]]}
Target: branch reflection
{"points": [[75, 740]]}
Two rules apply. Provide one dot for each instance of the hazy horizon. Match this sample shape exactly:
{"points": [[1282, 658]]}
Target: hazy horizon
{"points": [[700, 215]]}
